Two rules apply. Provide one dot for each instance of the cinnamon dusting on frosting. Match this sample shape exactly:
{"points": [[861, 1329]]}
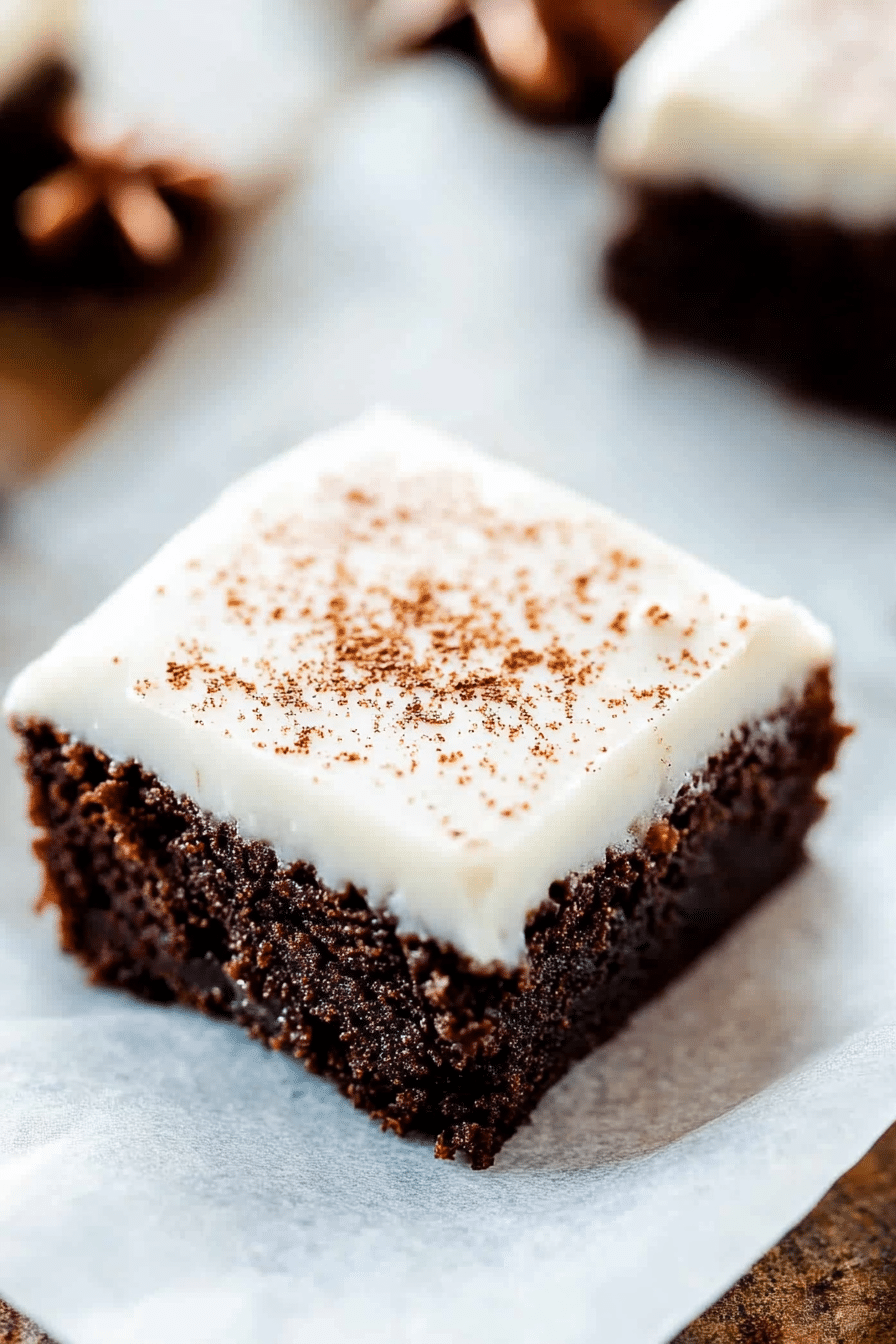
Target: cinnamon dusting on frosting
{"points": [[393, 620], [401, 662]]}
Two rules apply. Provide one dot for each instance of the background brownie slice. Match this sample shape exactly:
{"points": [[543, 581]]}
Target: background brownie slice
{"points": [[757, 145], [422, 769]]}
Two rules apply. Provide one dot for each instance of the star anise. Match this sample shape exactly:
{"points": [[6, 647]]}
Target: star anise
{"points": [[134, 191], [553, 57], [519, 46], [509, 33]]}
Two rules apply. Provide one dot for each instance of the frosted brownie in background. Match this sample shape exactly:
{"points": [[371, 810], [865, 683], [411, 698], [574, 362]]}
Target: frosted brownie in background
{"points": [[138, 143], [757, 145], [554, 59], [422, 769]]}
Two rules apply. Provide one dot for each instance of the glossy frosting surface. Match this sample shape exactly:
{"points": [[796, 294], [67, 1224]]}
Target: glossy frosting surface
{"points": [[425, 671]]}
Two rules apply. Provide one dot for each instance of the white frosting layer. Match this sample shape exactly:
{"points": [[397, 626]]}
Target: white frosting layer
{"points": [[427, 672], [789, 104]]}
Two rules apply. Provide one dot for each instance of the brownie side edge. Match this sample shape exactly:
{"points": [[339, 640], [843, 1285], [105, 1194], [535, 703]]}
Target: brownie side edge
{"points": [[805, 300], [161, 899]]}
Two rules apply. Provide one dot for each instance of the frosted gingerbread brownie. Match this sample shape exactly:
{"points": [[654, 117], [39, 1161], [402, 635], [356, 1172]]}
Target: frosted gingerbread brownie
{"points": [[756, 144], [423, 769]]}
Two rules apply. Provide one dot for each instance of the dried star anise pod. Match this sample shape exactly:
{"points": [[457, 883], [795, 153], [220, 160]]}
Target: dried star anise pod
{"points": [[142, 199], [101, 246], [554, 59]]}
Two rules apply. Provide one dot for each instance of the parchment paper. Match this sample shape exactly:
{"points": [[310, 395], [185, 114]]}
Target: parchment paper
{"points": [[164, 1179]]}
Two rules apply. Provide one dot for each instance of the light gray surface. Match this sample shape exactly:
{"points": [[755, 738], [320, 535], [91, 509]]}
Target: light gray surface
{"points": [[161, 1177], [228, 84]]}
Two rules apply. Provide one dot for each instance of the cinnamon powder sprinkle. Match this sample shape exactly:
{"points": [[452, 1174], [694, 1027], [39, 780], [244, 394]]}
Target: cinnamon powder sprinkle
{"points": [[398, 624]]}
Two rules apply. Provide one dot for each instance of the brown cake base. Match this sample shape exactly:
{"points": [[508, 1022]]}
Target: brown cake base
{"points": [[804, 300], [160, 898]]}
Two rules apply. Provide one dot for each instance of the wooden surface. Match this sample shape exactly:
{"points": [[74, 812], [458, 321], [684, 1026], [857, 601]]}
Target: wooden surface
{"points": [[831, 1281]]}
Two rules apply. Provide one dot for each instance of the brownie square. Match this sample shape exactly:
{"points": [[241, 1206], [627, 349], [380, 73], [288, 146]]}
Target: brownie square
{"points": [[374, 760], [754, 148]]}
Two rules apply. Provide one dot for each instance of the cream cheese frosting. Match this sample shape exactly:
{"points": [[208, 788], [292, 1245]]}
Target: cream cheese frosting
{"points": [[425, 671], [787, 104]]}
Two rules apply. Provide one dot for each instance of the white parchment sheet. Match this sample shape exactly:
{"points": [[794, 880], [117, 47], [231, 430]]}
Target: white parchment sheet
{"points": [[164, 1179]]}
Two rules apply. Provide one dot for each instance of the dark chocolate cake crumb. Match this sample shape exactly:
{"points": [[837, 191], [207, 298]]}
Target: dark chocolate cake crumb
{"points": [[807, 301], [162, 899]]}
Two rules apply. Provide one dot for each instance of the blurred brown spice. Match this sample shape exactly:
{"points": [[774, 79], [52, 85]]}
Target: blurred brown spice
{"points": [[99, 249], [553, 59], [111, 177]]}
